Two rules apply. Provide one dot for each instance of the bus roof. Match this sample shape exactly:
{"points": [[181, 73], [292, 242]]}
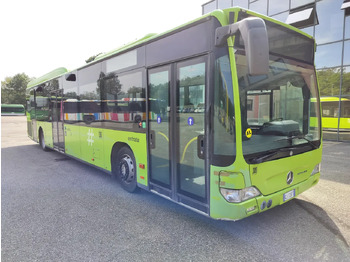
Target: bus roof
{"points": [[53, 74]]}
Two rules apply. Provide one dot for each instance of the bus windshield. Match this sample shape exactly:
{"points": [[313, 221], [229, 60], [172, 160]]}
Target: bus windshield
{"points": [[278, 118]]}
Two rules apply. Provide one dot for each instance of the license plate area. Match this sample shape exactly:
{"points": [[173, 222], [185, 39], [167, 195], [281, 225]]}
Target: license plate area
{"points": [[288, 195]]}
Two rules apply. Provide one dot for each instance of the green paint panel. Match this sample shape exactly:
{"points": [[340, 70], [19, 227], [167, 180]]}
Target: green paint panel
{"points": [[91, 145], [72, 140], [47, 129], [94, 145], [271, 176], [231, 180]]}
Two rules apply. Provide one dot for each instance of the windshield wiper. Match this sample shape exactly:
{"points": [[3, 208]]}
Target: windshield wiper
{"points": [[280, 152], [260, 159], [291, 138]]}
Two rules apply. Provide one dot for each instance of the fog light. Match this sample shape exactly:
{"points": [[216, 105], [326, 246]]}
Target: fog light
{"points": [[263, 205], [240, 195]]}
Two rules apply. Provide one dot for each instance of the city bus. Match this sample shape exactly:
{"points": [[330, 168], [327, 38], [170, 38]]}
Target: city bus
{"points": [[213, 115], [12, 110], [330, 113]]}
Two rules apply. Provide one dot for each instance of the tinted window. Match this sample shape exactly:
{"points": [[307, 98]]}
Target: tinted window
{"points": [[298, 3], [329, 81], [224, 120], [278, 6], [88, 78], [123, 100], [331, 19], [328, 55], [193, 40], [209, 7], [42, 102], [223, 4], [347, 27], [122, 61], [241, 3], [346, 53], [285, 42], [259, 6], [346, 83]]}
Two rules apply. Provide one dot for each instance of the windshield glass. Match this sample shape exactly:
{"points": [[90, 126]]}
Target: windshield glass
{"points": [[278, 110]]}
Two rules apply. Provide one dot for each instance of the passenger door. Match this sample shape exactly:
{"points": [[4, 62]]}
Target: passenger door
{"points": [[176, 122], [57, 120]]}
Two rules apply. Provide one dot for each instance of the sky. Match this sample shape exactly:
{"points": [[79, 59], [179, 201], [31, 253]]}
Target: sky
{"points": [[38, 36]]}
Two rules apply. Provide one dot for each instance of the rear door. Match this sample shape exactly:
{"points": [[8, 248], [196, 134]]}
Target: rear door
{"points": [[57, 120]]}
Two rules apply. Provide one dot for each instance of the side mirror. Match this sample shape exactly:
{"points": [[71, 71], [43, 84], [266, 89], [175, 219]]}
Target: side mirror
{"points": [[255, 38]]}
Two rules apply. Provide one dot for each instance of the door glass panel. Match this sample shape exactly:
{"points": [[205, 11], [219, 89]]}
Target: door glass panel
{"points": [[57, 120], [159, 110], [190, 129]]}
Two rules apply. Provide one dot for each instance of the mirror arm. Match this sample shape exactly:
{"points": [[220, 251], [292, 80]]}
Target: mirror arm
{"points": [[222, 33]]}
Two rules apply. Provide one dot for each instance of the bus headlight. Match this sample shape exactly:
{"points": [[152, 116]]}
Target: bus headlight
{"points": [[237, 196], [316, 170]]}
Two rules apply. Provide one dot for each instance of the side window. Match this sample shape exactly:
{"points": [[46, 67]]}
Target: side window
{"points": [[123, 99], [42, 102], [70, 94], [224, 117], [330, 109], [31, 104], [89, 105]]}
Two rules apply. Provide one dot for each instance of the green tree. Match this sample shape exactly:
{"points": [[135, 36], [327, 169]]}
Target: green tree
{"points": [[13, 89], [329, 82]]}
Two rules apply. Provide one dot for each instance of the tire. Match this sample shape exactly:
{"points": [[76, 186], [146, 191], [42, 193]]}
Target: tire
{"points": [[125, 168], [42, 141]]}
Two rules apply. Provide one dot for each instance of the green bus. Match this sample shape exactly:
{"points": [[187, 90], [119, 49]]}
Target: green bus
{"points": [[213, 115], [330, 113], [12, 110]]}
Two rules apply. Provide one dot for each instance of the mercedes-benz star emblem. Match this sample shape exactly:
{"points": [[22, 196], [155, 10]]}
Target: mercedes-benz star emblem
{"points": [[290, 178]]}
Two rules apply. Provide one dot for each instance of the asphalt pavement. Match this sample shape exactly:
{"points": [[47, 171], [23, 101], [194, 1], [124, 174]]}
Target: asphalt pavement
{"points": [[54, 208]]}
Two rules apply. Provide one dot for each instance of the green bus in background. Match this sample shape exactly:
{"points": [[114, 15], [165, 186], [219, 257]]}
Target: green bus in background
{"points": [[330, 113], [213, 115], [12, 110]]}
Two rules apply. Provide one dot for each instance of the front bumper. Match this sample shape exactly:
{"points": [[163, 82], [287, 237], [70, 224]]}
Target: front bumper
{"points": [[256, 205]]}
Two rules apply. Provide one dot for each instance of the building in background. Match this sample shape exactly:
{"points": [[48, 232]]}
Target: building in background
{"points": [[328, 21]]}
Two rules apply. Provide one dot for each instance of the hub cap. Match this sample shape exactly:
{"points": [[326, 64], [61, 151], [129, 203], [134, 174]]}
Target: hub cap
{"points": [[127, 170]]}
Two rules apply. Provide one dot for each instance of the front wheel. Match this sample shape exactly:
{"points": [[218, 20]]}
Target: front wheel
{"points": [[126, 169]]}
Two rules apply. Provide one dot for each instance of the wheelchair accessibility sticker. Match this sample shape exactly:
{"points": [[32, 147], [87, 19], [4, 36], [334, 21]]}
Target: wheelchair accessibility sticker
{"points": [[248, 133]]}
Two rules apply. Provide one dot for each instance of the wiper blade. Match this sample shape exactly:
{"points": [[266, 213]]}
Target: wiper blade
{"points": [[290, 138], [260, 159], [280, 152]]}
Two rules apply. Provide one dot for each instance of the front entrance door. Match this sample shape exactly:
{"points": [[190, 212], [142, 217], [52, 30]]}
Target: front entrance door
{"points": [[57, 120], [177, 131]]}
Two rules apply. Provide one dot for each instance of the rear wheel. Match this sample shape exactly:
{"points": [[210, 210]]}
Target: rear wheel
{"points": [[126, 169], [42, 141]]}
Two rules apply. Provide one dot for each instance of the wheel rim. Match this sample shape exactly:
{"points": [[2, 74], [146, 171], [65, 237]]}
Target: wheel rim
{"points": [[127, 169]]}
